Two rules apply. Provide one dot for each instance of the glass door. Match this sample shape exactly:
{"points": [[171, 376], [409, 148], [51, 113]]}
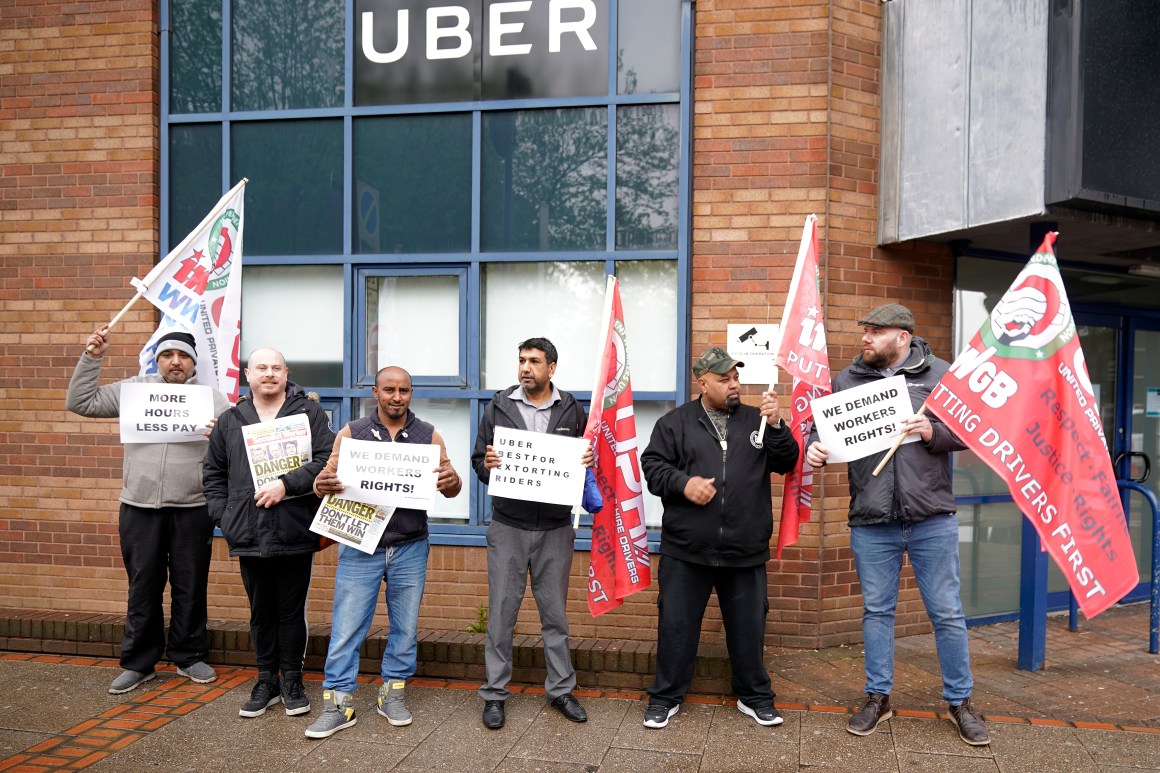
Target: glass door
{"points": [[1139, 440]]}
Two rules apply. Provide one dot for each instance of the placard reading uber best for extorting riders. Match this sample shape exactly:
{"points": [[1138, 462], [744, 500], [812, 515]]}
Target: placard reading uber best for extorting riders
{"points": [[165, 413], [864, 420], [538, 467], [389, 474]]}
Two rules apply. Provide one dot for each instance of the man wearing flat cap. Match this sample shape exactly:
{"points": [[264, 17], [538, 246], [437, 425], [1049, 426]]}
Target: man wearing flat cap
{"points": [[909, 508], [712, 475], [164, 525]]}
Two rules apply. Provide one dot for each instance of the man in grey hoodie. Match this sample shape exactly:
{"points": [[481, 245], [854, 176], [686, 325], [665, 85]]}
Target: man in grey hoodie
{"points": [[164, 525]]}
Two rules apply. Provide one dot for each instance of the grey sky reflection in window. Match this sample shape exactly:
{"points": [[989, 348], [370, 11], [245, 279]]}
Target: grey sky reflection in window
{"points": [[647, 151]]}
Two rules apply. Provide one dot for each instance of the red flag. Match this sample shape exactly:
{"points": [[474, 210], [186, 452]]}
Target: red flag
{"points": [[1019, 396], [801, 352], [619, 563]]}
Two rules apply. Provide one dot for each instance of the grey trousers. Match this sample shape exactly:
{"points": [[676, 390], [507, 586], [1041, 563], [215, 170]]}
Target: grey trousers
{"points": [[511, 554]]}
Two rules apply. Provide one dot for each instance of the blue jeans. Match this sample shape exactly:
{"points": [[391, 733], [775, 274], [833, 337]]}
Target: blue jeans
{"points": [[356, 589], [933, 546]]}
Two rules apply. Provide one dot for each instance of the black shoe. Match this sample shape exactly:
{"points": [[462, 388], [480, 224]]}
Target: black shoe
{"points": [[570, 708], [970, 724], [266, 693], [875, 710], [493, 714], [294, 698], [657, 715], [764, 715]]}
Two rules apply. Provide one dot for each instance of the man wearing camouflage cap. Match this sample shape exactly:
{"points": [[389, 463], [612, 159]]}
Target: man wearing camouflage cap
{"points": [[711, 473], [907, 508]]}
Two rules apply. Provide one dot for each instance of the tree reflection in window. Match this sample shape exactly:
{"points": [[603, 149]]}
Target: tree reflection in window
{"points": [[647, 152]]}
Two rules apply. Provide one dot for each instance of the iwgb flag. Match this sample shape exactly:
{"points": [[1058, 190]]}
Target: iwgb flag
{"points": [[801, 352], [1019, 396], [198, 287], [619, 563]]}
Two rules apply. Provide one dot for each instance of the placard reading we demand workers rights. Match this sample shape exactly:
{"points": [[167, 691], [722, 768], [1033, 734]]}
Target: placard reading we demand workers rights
{"points": [[863, 420], [389, 474], [538, 467]]}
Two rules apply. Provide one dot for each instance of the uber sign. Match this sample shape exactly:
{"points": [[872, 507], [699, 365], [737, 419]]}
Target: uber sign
{"points": [[416, 51]]}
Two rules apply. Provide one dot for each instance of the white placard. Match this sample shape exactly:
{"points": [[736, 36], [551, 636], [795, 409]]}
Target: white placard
{"points": [[538, 467], [357, 524], [165, 413], [276, 447], [861, 421], [389, 474], [756, 346]]}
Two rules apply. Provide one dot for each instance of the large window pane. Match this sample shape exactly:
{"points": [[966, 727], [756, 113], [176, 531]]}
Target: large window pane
{"points": [[647, 414], [400, 306], [544, 179], [287, 54], [297, 310], [647, 160], [195, 56], [558, 301], [294, 198], [412, 184], [195, 176], [648, 293], [452, 420], [648, 46]]}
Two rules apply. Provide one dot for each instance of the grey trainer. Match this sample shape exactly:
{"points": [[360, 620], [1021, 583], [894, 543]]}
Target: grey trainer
{"points": [[337, 714], [199, 672], [129, 680], [392, 704]]}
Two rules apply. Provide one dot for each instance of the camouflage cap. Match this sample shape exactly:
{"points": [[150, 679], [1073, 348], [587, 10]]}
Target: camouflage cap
{"points": [[715, 360], [890, 315]]}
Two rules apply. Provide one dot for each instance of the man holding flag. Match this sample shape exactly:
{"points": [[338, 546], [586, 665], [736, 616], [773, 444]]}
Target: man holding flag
{"points": [[909, 508]]}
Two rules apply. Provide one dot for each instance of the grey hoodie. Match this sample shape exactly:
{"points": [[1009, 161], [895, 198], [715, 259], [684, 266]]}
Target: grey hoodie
{"points": [[155, 474]]}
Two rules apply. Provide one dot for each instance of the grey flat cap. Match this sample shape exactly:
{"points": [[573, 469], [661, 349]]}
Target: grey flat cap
{"points": [[890, 315]]}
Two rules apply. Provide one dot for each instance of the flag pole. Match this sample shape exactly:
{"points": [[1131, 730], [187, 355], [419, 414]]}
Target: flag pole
{"points": [[896, 446], [142, 285], [598, 381]]}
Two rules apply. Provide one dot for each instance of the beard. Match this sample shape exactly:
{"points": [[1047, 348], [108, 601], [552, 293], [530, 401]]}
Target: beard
{"points": [[731, 402]]}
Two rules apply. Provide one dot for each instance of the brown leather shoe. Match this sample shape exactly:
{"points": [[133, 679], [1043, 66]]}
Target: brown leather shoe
{"points": [[970, 724], [875, 710]]}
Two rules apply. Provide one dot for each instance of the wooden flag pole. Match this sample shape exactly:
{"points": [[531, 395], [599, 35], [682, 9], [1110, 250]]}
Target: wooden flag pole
{"points": [[89, 349], [897, 444]]}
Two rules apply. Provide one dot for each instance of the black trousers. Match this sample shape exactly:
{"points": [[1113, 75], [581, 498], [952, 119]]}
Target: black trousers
{"points": [[277, 590], [684, 592], [158, 545]]}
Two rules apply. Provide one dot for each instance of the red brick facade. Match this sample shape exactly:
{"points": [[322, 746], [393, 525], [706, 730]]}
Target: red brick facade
{"points": [[786, 111]]}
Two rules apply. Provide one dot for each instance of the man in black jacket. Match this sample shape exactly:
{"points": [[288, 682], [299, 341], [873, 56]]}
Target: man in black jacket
{"points": [[268, 529], [528, 537], [909, 508], [713, 480]]}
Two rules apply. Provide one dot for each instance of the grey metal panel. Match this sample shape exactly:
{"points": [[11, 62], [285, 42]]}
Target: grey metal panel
{"points": [[889, 157], [1008, 110], [935, 68]]}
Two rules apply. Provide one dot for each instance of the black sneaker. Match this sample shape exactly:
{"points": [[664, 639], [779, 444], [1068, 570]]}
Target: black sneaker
{"points": [[657, 715], [874, 711], [266, 693], [294, 694], [764, 715]]}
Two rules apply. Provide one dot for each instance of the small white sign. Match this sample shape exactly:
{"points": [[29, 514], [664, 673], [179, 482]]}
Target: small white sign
{"points": [[756, 346], [165, 413], [357, 524], [864, 420], [389, 474], [1151, 402], [537, 467], [274, 448]]}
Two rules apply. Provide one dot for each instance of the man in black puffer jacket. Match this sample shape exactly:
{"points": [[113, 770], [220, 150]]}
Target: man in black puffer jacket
{"points": [[713, 479], [269, 529]]}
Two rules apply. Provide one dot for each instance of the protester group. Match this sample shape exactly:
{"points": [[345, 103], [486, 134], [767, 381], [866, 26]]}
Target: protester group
{"points": [[710, 469]]}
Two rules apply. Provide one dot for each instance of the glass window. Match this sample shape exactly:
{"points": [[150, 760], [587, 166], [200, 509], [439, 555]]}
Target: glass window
{"points": [[559, 301], [412, 184], [287, 54], [648, 46], [647, 413], [647, 159], [648, 293], [452, 420], [545, 180], [556, 49], [195, 176], [294, 197], [398, 308], [195, 56], [299, 311]]}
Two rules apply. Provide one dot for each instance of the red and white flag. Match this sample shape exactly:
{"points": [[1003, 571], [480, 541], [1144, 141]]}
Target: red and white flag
{"points": [[1020, 397], [802, 353], [198, 287], [619, 562]]}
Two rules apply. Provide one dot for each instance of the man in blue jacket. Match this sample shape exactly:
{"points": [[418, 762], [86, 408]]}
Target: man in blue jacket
{"points": [[713, 479], [907, 508]]}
